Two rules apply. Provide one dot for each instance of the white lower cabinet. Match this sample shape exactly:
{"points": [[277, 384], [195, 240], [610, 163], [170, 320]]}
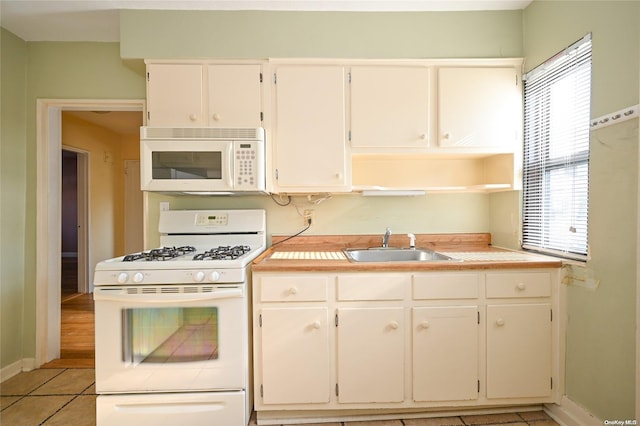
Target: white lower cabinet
{"points": [[445, 353], [519, 350], [404, 340], [296, 358], [370, 356]]}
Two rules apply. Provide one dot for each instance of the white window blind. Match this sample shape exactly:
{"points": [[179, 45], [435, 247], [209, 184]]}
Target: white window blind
{"points": [[557, 100]]}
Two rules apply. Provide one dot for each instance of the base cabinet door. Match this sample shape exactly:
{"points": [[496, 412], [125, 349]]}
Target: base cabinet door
{"points": [[370, 355], [295, 355], [519, 350], [445, 353]]}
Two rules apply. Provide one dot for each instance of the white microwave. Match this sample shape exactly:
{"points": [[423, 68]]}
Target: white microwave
{"points": [[202, 160]]}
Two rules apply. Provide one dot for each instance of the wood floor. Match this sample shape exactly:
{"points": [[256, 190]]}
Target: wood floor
{"points": [[77, 325]]}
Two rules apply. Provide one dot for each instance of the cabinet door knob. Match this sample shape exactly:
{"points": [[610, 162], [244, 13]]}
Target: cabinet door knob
{"points": [[423, 136], [499, 322], [424, 324], [394, 325], [338, 175], [193, 117], [446, 136], [216, 117], [316, 325], [293, 290], [521, 286]]}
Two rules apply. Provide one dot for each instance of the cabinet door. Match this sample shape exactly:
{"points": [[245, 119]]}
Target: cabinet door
{"points": [[295, 355], [478, 107], [309, 135], [234, 95], [390, 107], [519, 350], [370, 355], [445, 353], [175, 95]]}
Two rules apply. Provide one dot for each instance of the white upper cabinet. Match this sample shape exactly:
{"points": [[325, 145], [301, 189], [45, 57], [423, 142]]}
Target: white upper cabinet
{"points": [[203, 95], [479, 107], [175, 95], [309, 129], [234, 95], [390, 106]]}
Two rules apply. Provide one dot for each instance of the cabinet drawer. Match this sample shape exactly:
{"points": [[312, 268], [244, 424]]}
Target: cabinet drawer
{"points": [[453, 285], [372, 286], [518, 284], [296, 288]]}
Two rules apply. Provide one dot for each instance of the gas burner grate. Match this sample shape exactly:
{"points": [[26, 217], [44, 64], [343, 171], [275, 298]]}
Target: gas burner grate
{"points": [[159, 254], [223, 253]]}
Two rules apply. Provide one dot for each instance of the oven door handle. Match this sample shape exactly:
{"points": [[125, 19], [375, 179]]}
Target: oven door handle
{"points": [[227, 293]]}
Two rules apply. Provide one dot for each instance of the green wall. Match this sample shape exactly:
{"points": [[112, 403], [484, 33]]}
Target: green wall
{"points": [[261, 34], [600, 362], [13, 183]]}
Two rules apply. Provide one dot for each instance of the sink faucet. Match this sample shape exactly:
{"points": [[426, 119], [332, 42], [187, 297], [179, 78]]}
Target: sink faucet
{"points": [[385, 239], [412, 241]]}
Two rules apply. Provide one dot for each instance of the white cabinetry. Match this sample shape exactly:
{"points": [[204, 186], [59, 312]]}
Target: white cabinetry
{"points": [[203, 95], [371, 339], [363, 341], [292, 341], [519, 335], [390, 106], [445, 368], [309, 130], [370, 354], [479, 107]]}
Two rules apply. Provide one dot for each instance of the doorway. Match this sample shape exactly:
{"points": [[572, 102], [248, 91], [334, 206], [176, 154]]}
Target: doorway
{"points": [[49, 213], [74, 222]]}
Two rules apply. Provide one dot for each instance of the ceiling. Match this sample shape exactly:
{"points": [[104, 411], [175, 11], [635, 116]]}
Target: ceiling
{"points": [[120, 122], [98, 20]]}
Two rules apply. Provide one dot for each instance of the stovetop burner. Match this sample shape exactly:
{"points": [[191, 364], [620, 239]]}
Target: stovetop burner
{"points": [[223, 253], [163, 253]]}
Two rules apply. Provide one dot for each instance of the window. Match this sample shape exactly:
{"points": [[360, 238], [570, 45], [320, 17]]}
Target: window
{"points": [[557, 98]]}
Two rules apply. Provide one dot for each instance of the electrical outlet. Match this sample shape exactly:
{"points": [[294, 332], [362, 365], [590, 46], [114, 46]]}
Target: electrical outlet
{"points": [[309, 216]]}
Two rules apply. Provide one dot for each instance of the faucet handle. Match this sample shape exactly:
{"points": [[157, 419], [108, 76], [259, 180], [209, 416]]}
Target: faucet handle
{"points": [[412, 240]]}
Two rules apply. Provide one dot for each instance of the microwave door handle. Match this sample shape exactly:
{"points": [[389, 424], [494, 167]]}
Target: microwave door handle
{"points": [[231, 166], [168, 297]]}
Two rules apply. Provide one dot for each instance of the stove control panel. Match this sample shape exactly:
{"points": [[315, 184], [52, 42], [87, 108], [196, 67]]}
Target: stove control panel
{"points": [[161, 276], [218, 219]]}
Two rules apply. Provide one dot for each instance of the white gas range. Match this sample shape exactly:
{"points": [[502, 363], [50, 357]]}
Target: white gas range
{"points": [[172, 323]]}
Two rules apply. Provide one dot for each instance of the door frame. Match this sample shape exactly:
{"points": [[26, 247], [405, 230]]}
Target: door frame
{"points": [[48, 212]]}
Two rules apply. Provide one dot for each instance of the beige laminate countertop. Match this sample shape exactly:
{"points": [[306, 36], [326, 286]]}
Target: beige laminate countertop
{"points": [[324, 253]]}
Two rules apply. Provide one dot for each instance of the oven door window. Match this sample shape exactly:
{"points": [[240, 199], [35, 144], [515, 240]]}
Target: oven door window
{"points": [[170, 335], [181, 165]]}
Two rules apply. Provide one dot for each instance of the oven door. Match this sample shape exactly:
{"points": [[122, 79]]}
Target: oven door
{"points": [[163, 339], [186, 165]]}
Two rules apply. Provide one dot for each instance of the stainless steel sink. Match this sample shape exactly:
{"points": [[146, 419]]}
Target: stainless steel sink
{"points": [[381, 254]]}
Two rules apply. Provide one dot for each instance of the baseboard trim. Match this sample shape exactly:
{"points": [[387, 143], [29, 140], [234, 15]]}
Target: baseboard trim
{"points": [[26, 364], [569, 413]]}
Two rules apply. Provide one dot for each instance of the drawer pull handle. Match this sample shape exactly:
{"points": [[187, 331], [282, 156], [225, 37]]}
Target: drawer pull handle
{"points": [[499, 322], [193, 117], [424, 324], [293, 290], [521, 286], [394, 325], [316, 325]]}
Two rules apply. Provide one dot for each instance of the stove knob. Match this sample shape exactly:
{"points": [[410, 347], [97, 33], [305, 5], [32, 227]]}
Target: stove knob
{"points": [[214, 276], [138, 277], [198, 276], [122, 277]]}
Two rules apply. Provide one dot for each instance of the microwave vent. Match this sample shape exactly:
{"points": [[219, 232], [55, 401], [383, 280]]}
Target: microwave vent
{"points": [[251, 133]]}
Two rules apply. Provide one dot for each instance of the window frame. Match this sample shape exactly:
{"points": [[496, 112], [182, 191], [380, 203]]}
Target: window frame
{"points": [[537, 220]]}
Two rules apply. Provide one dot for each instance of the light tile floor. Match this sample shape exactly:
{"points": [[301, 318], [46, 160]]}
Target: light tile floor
{"points": [[67, 397]]}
